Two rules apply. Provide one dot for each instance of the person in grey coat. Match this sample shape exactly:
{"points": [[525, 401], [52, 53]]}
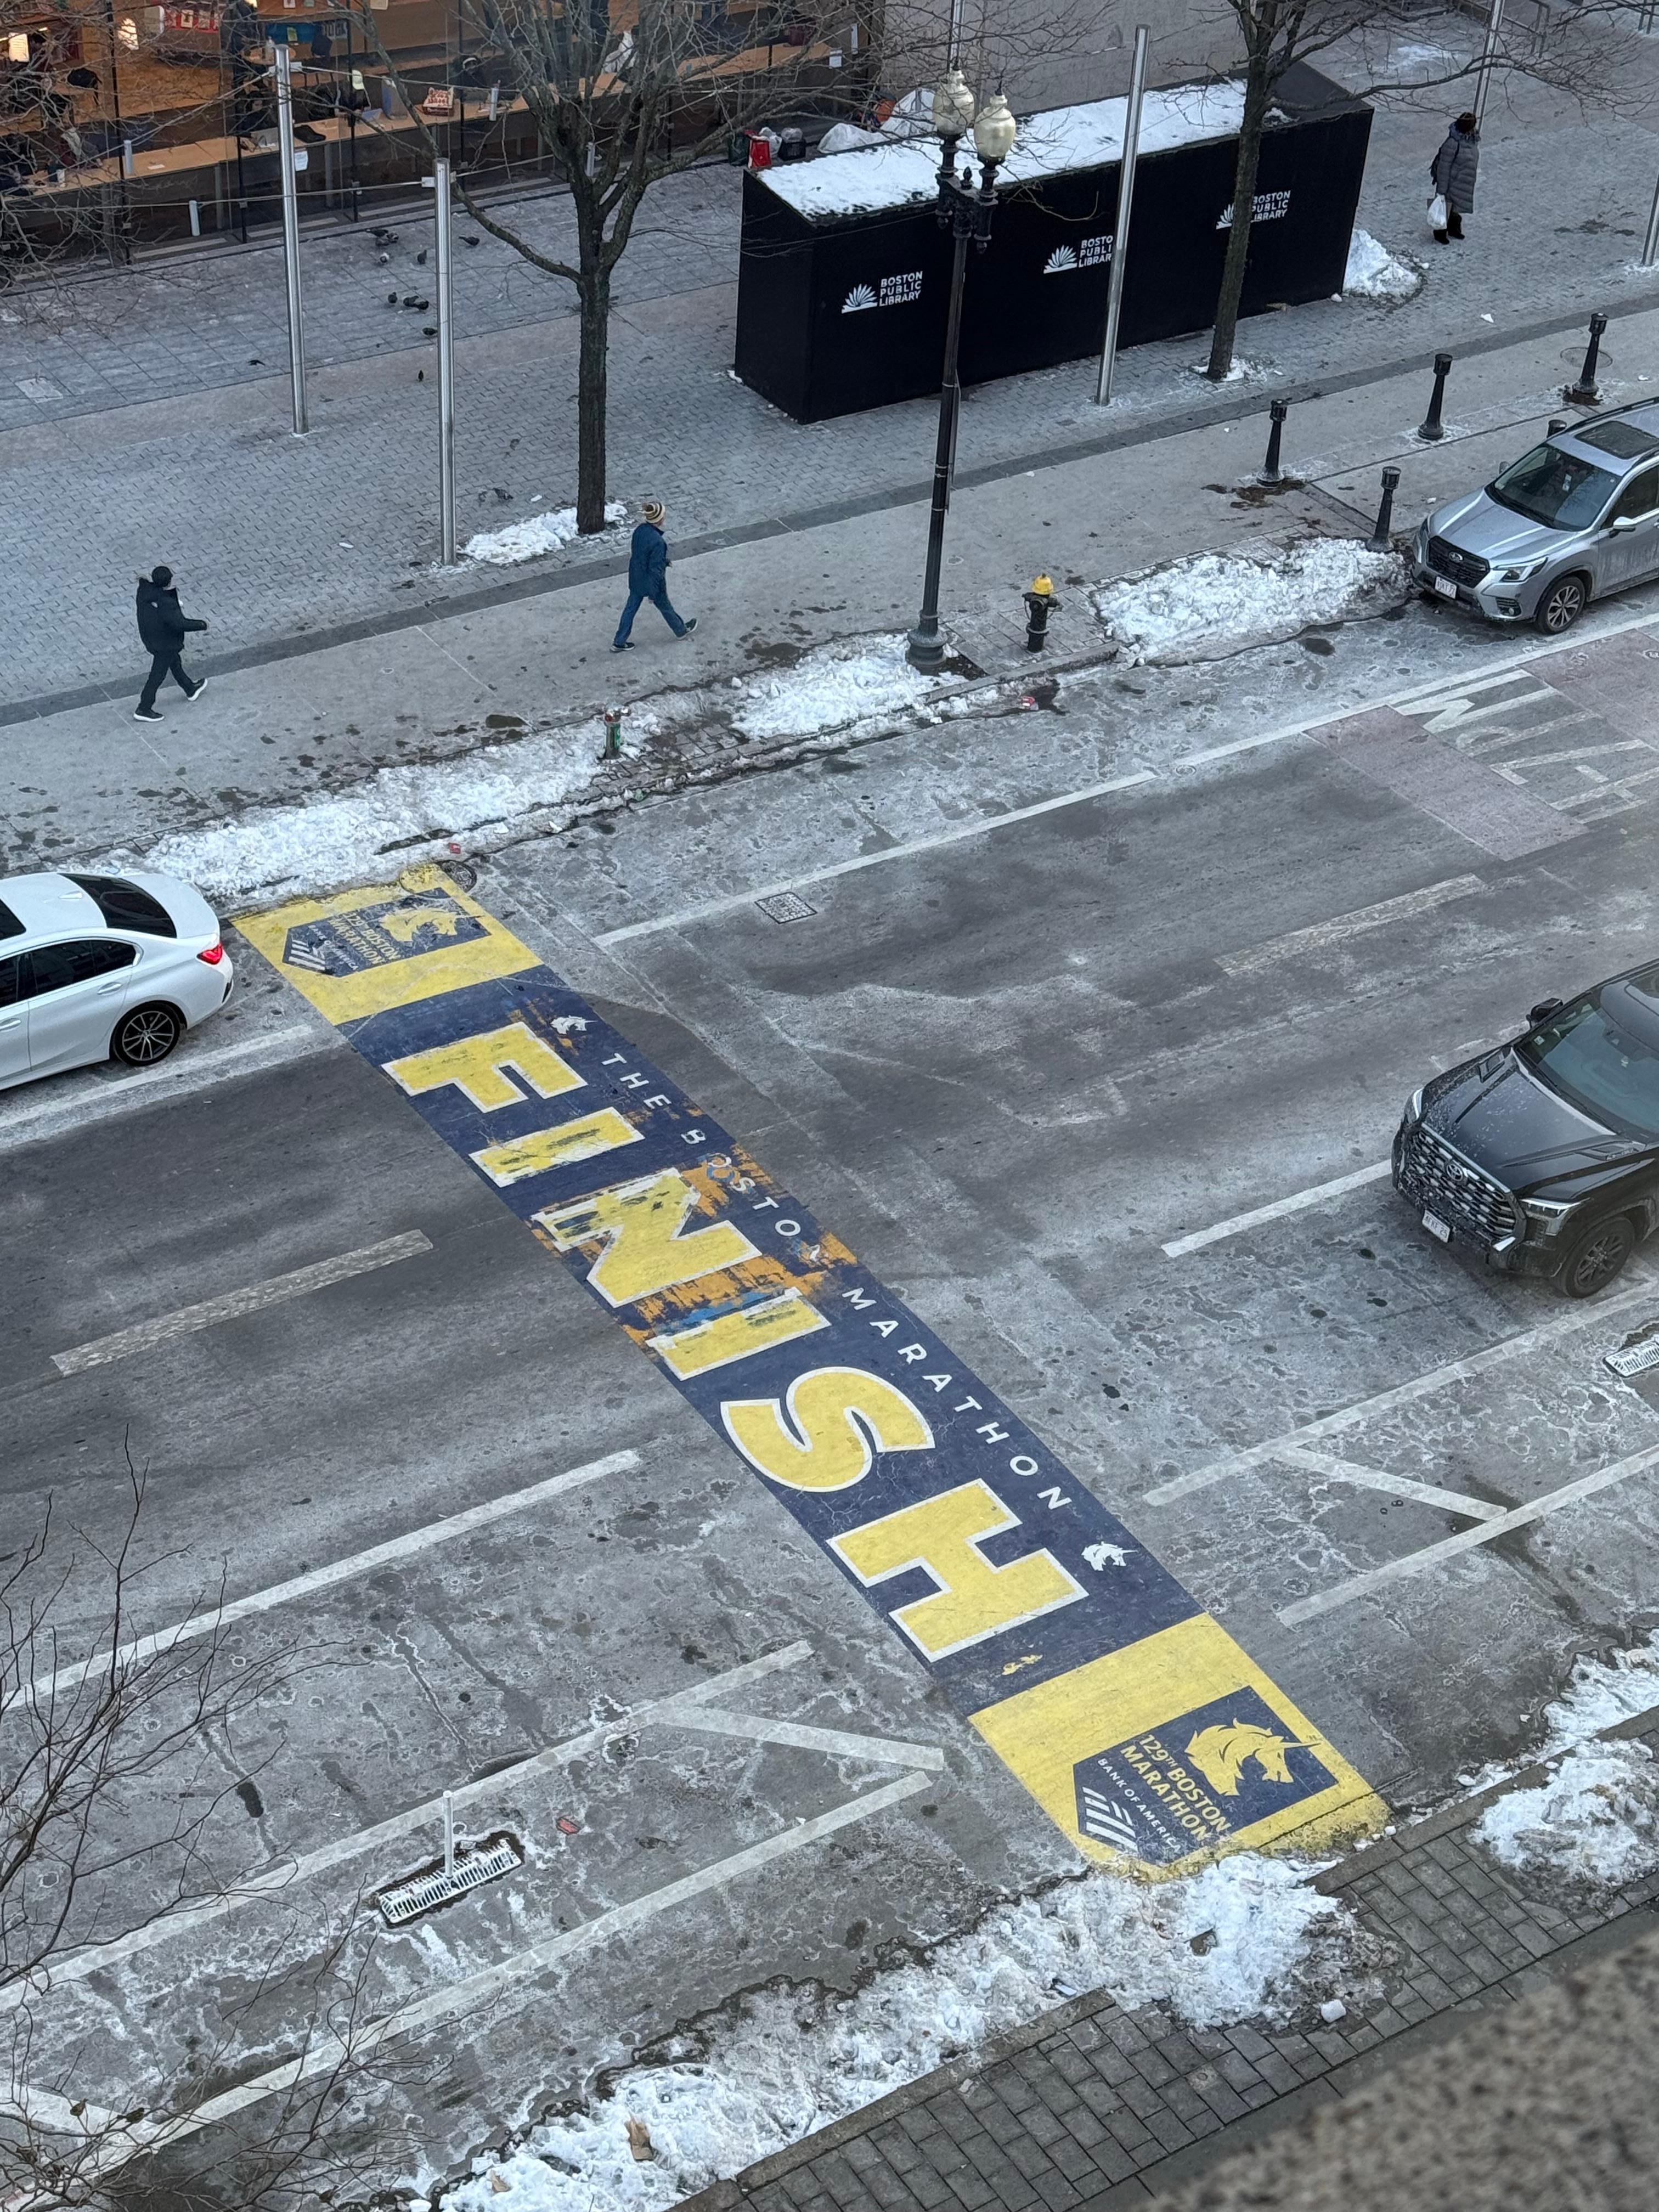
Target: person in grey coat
{"points": [[1452, 173]]}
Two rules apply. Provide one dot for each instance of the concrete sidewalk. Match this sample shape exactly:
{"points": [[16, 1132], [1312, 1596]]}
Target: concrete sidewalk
{"points": [[156, 427], [279, 724]]}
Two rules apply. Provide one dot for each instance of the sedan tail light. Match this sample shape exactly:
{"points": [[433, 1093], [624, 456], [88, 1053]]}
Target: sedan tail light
{"points": [[214, 954]]}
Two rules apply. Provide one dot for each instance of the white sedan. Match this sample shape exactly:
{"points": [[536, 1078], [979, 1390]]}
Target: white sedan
{"points": [[103, 966]]}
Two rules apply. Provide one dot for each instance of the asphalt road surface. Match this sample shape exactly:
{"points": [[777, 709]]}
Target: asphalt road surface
{"points": [[1104, 1091]]}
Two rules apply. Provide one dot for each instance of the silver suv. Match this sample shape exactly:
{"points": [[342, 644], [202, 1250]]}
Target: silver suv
{"points": [[1572, 520]]}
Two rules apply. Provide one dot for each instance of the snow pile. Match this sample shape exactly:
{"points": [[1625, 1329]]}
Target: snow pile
{"points": [[319, 844], [828, 688], [1602, 1693], [1239, 370], [1374, 273], [1209, 603], [1594, 1818], [536, 535], [791, 2062]]}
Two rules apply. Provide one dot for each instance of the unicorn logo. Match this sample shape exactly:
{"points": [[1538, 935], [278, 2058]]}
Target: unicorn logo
{"points": [[403, 924], [1222, 1752], [861, 296]]}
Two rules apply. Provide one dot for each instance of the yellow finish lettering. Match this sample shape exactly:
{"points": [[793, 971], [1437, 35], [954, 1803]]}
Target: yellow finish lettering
{"points": [[734, 1336], [942, 1536], [556, 1148], [638, 1226], [478, 1067], [838, 1417]]}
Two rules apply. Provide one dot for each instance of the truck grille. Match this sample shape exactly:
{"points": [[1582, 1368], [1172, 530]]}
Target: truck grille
{"points": [[1452, 561], [1441, 1181]]}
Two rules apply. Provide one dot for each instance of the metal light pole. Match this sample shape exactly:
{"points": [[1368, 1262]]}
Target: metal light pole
{"points": [[1126, 200], [965, 212], [1488, 55], [1651, 243], [296, 325], [445, 368]]}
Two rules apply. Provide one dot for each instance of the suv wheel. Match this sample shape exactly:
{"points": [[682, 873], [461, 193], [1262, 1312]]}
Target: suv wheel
{"points": [[1561, 605], [146, 1034], [1596, 1258]]}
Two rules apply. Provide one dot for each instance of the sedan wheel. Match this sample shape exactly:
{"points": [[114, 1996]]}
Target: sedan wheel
{"points": [[1561, 605], [1596, 1258], [146, 1034]]}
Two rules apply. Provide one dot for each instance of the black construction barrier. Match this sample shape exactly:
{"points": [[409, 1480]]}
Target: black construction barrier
{"points": [[844, 269]]}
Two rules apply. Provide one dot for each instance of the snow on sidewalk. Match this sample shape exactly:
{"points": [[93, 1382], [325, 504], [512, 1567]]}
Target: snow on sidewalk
{"points": [[793, 2060], [831, 687], [1207, 604], [1374, 273], [536, 535], [497, 792], [1594, 1817]]}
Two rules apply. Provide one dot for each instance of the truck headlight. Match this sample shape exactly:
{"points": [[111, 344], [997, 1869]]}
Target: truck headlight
{"points": [[1549, 1212], [1413, 1113]]}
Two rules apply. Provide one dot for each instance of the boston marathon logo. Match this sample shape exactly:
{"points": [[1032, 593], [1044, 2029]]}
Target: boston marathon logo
{"points": [[371, 936], [1196, 1780]]}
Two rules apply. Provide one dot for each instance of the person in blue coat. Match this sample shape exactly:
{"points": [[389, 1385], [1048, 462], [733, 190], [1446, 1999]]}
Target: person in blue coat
{"points": [[647, 578]]}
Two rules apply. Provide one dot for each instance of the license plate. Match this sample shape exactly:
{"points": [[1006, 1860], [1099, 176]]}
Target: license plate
{"points": [[1437, 1227], [1445, 586]]}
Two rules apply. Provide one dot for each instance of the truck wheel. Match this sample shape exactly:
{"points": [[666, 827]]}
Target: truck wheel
{"points": [[1596, 1258], [1561, 605]]}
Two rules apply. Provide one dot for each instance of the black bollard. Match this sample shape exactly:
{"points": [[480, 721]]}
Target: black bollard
{"points": [[1584, 393], [1277, 410], [1381, 535], [1430, 427]]}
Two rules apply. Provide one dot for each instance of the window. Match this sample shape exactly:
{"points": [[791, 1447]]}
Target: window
{"points": [[126, 906], [1549, 486], [11, 975], [10, 925], [57, 966], [1625, 439], [1639, 497], [1602, 1053]]}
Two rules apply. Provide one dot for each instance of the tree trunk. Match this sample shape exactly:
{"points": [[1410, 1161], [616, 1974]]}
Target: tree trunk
{"points": [[1257, 94], [594, 293]]}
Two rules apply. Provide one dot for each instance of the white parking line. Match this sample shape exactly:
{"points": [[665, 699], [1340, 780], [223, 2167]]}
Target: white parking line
{"points": [[1417, 1563], [340, 1571], [1298, 1202], [76, 1102], [680, 1706], [275, 1291], [1593, 1314], [1391, 1486], [740, 899], [457, 1999], [1341, 926]]}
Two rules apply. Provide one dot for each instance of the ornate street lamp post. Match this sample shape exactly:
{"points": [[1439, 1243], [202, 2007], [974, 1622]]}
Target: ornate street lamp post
{"points": [[964, 210]]}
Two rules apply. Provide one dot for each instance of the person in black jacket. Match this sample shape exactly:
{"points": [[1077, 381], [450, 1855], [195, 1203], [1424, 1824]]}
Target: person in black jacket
{"points": [[1452, 172], [647, 578], [162, 628]]}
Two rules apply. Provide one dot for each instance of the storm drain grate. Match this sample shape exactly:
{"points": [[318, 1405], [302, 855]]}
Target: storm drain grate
{"points": [[785, 906], [1635, 1359], [406, 1900]]}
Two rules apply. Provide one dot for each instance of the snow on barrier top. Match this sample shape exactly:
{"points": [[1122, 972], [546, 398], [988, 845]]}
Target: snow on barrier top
{"points": [[904, 175]]}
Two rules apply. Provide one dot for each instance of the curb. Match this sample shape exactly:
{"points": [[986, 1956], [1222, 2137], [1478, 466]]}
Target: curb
{"points": [[730, 2195]]}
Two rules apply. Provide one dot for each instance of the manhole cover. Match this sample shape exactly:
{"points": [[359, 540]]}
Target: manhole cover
{"points": [[785, 906], [1635, 1359]]}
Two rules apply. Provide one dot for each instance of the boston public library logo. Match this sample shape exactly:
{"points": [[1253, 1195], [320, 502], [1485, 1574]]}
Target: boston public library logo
{"points": [[900, 291], [1196, 1780]]}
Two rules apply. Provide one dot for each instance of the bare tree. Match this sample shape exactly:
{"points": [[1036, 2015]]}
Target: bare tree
{"points": [[1581, 54], [92, 1749]]}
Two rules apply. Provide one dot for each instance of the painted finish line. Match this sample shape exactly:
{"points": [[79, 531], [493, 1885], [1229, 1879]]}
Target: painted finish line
{"points": [[1138, 1723]]}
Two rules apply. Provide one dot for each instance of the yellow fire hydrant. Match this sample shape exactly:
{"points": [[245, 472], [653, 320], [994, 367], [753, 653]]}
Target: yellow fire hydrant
{"points": [[1039, 604]]}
